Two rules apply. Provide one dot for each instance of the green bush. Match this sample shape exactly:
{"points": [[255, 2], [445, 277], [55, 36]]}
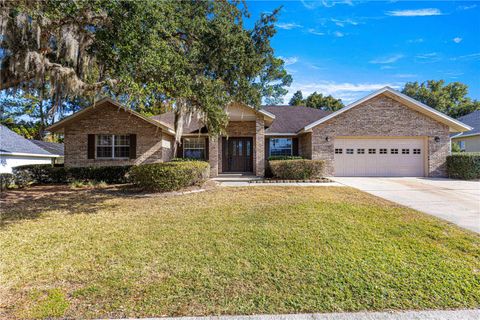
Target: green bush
{"points": [[284, 158], [45, 173], [464, 166], [184, 159], [297, 169], [169, 176], [6, 180]]}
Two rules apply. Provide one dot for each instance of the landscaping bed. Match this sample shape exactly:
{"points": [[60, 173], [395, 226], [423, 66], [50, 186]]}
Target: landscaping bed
{"points": [[95, 254]]}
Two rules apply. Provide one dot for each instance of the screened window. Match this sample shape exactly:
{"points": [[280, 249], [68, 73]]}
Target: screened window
{"points": [[280, 147], [194, 148], [112, 146]]}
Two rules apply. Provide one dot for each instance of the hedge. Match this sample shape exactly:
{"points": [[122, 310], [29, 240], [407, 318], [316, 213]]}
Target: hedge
{"points": [[45, 173], [300, 169], [464, 166], [169, 176], [284, 158], [6, 180]]}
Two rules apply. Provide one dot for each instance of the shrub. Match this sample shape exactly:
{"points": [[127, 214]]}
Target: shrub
{"points": [[184, 159], [297, 169], [273, 158], [464, 166], [45, 173], [6, 181], [169, 176]]}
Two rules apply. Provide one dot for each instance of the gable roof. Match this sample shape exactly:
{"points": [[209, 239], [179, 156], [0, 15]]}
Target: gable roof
{"points": [[14, 144], [454, 125], [290, 119], [168, 119], [51, 147], [106, 101], [473, 120]]}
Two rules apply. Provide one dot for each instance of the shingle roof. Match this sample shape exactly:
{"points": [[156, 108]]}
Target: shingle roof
{"points": [[51, 147], [290, 119], [10, 142], [473, 120], [168, 119]]}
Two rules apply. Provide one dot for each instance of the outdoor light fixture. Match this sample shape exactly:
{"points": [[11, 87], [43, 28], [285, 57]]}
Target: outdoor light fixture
{"points": [[327, 139], [437, 139]]}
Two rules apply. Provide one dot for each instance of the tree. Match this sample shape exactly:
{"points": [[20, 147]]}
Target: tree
{"points": [[450, 99], [328, 103], [297, 99], [194, 56]]}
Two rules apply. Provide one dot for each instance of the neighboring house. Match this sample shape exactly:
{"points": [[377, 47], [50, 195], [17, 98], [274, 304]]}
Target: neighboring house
{"points": [[384, 134], [469, 141], [53, 148], [15, 151]]}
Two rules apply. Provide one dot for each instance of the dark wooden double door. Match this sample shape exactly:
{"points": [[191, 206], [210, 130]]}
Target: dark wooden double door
{"points": [[237, 155]]}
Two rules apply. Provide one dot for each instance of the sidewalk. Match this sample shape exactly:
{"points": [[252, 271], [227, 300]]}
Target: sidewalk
{"points": [[397, 315]]}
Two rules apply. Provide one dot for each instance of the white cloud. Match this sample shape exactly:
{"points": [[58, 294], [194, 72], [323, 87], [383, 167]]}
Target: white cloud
{"points": [[346, 91], [338, 34], [325, 3], [405, 75], [415, 13], [315, 32], [457, 39], [472, 56], [428, 57], [342, 23], [467, 7], [289, 60], [288, 26], [388, 59], [418, 40]]}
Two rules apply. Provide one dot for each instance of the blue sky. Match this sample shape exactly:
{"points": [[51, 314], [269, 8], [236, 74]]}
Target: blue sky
{"points": [[350, 48]]}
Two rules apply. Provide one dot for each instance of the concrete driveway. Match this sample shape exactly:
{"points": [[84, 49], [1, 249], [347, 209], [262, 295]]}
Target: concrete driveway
{"points": [[453, 200]]}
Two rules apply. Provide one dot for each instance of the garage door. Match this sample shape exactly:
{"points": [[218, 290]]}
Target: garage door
{"points": [[379, 157]]}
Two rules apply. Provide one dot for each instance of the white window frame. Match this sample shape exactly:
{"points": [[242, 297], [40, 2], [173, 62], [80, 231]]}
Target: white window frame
{"points": [[195, 145], [270, 149], [112, 146]]}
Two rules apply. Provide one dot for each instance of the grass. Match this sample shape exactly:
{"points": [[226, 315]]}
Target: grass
{"points": [[91, 253]]}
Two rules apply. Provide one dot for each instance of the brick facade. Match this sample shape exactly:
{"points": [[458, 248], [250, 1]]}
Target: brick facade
{"points": [[109, 119], [383, 116]]}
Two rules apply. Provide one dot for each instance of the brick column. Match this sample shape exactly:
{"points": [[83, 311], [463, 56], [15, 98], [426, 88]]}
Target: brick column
{"points": [[213, 156], [259, 151]]}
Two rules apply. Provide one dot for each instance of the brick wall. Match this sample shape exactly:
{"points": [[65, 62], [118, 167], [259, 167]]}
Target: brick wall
{"points": [[109, 119], [383, 116], [305, 145]]}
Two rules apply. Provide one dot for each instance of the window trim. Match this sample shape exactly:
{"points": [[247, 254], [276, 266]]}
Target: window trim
{"points": [[204, 148], [112, 145], [270, 149]]}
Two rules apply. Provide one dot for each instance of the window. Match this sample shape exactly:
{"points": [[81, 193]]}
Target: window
{"points": [[416, 151], [372, 151], [349, 151], [338, 151], [280, 147], [360, 151], [394, 151], [194, 148], [112, 146], [462, 145], [405, 151], [383, 151]]}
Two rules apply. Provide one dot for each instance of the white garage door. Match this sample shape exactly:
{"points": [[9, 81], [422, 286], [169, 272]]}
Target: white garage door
{"points": [[379, 157]]}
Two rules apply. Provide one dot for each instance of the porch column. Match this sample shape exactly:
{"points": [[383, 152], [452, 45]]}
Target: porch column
{"points": [[259, 146], [213, 156]]}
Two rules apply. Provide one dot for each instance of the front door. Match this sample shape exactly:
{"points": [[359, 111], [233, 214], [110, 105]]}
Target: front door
{"points": [[238, 155]]}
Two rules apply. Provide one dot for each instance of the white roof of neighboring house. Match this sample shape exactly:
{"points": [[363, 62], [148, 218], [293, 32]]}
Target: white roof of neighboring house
{"points": [[454, 125]]}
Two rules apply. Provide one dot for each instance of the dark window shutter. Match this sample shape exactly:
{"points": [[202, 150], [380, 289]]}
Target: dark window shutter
{"points": [[206, 148], [267, 148], [133, 146], [91, 146], [180, 149], [295, 147]]}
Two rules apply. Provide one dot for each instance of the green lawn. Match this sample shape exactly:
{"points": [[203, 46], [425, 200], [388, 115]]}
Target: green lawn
{"points": [[229, 251]]}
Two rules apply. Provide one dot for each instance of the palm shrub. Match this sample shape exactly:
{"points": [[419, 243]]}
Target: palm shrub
{"points": [[169, 176]]}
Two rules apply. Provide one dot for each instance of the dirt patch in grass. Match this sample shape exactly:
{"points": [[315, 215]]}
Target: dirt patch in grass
{"points": [[100, 253]]}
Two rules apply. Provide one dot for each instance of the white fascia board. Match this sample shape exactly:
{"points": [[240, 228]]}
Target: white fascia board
{"points": [[36, 155], [280, 134], [378, 92]]}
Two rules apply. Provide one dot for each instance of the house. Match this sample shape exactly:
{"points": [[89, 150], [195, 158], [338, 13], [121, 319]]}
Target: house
{"points": [[469, 141], [384, 134], [53, 148], [15, 151]]}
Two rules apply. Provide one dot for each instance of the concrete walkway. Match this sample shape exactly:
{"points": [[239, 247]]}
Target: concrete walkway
{"points": [[456, 201], [406, 315]]}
